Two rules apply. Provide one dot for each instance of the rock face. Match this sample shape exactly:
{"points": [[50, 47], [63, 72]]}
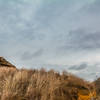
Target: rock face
{"points": [[5, 63]]}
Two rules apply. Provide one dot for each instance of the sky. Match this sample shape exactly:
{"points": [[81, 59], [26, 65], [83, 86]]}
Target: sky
{"points": [[58, 34]]}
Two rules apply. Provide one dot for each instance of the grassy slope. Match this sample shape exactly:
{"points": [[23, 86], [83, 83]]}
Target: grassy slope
{"points": [[39, 85]]}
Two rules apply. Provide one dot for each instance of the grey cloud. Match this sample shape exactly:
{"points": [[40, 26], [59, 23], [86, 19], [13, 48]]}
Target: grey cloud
{"points": [[82, 39], [71, 25], [38, 53], [29, 56], [78, 67], [93, 8]]}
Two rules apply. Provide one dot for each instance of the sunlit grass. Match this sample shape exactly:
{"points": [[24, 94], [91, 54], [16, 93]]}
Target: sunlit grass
{"points": [[39, 85]]}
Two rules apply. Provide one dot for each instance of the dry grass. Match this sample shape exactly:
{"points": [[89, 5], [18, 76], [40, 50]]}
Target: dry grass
{"points": [[39, 85]]}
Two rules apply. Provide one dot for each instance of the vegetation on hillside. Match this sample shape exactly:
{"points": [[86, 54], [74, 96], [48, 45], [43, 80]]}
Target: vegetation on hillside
{"points": [[41, 85], [26, 84]]}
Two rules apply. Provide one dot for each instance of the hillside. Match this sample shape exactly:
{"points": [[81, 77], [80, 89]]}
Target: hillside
{"points": [[5, 63], [42, 85], [97, 87]]}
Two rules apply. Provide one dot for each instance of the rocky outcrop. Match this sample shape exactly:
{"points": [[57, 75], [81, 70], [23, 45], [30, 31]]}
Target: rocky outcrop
{"points": [[5, 63]]}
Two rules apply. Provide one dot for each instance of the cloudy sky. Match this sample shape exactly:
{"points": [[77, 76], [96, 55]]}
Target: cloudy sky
{"points": [[59, 34]]}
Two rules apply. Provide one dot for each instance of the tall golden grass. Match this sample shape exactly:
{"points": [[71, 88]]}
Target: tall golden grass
{"points": [[39, 85]]}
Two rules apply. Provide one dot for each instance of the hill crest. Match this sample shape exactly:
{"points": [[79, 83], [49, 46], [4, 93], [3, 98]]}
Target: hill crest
{"points": [[5, 63]]}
